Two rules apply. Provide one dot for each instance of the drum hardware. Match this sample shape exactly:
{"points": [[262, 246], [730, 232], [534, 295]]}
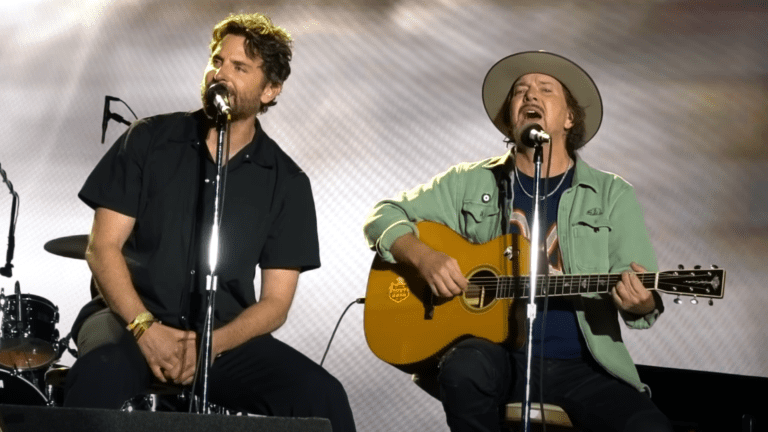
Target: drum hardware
{"points": [[16, 388], [54, 380], [169, 398], [28, 335]]}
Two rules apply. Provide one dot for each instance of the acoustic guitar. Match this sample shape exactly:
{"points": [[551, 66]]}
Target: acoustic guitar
{"points": [[406, 325]]}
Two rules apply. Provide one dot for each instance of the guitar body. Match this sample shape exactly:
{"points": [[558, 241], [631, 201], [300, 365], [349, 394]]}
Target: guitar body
{"points": [[406, 325]]}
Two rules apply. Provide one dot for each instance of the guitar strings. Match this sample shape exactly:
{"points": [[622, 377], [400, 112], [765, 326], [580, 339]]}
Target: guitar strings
{"points": [[590, 283]]}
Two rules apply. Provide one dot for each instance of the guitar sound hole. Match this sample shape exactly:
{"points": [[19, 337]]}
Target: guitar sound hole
{"points": [[482, 289]]}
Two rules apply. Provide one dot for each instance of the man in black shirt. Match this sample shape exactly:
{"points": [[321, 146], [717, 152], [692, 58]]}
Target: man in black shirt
{"points": [[152, 194]]}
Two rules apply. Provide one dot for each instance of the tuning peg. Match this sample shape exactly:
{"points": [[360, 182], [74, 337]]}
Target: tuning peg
{"points": [[694, 300], [680, 267], [696, 267], [677, 300], [714, 267]]}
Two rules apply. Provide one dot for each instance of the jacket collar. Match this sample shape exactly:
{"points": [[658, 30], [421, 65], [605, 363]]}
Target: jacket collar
{"points": [[583, 175]]}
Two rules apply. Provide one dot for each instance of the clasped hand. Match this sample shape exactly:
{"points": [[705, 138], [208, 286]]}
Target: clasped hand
{"points": [[170, 353]]}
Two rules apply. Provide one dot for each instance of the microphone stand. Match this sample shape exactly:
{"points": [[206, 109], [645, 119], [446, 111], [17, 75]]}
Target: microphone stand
{"points": [[204, 359], [7, 270], [533, 283]]}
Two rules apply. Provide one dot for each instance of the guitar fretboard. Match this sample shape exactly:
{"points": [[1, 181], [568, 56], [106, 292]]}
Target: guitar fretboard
{"points": [[706, 283]]}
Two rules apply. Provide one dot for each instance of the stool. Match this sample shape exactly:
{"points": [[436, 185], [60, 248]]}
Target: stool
{"points": [[556, 419]]}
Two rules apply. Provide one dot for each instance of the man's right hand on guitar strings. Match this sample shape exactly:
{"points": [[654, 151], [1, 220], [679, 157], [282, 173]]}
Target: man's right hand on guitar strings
{"points": [[439, 270]]}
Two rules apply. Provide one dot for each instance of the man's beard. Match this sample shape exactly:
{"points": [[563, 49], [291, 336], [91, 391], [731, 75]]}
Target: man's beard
{"points": [[240, 110]]}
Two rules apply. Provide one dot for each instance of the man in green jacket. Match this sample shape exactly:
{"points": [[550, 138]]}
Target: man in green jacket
{"points": [[591, 223]]}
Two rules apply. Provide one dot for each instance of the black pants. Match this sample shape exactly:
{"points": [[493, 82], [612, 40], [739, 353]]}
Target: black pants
{"points": [[263, 376], [478, 377]]}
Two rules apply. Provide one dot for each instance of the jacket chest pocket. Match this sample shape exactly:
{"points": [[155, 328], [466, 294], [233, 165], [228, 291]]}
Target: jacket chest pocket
{"points": [[591, 245], [478, 219]]}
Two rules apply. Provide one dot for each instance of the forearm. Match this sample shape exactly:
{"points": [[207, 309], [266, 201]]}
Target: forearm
{"points": [[114, 281], [256, 320], [408, 249], [278, 287]]}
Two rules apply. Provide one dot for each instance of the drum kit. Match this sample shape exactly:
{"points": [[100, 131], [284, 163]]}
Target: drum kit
{"points": [[29, 340]]}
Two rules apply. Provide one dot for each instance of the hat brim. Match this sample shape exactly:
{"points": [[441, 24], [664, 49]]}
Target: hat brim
{"points": [[500, 78]]}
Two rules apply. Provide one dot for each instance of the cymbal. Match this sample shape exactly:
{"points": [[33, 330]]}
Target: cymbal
{"points": [[69, 247]]}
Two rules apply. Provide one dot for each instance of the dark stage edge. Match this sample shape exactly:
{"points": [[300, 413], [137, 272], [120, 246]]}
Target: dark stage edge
{"points": [[17, 418]]}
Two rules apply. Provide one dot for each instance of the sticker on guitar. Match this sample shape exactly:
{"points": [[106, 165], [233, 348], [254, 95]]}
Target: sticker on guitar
{"points": [[398, 290]]}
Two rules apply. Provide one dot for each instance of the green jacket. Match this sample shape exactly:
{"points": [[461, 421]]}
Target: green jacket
{"points": [[600, 226]]}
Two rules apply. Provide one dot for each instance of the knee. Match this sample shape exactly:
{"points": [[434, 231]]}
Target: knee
{"points": [[105, 378], [332, 388], [110, 363], [469, 369], [648, 421]]}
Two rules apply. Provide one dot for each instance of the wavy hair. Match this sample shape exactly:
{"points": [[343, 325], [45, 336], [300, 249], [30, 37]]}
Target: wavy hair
{"points": [[263, 40]]}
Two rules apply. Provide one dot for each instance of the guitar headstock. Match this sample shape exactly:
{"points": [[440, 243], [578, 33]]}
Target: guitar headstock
{"points": [[698, 282]]}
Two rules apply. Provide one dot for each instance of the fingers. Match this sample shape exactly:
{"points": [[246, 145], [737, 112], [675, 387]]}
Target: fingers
{"points": [[158, 372], [170, 353], [445, 277], [187, 362], [630, 295]]}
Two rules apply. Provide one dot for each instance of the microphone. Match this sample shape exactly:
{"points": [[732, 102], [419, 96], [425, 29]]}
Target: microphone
{"points": [[533, 135], [108, 115], [105, 119], [217, 96]]}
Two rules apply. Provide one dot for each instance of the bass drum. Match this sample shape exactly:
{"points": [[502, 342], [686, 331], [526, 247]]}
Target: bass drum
{"points": [[28, 335], [16, 390]]}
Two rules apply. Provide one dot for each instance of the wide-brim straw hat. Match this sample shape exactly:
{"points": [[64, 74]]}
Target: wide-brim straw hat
{"points": [[501, 77]]}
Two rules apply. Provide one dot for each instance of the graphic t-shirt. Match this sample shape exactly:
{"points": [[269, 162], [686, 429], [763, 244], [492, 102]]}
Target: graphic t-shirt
{"points": [[560, 328]]}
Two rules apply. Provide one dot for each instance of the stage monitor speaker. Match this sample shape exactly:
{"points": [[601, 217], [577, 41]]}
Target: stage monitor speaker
{"points": [[17, 418]]}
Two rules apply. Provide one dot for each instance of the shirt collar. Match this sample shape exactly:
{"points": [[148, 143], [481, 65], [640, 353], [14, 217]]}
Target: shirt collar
{"points": [[260, 150]]}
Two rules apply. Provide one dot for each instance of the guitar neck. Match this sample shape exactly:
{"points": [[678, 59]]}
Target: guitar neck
{"points": [[704, 283], [566, 285]]}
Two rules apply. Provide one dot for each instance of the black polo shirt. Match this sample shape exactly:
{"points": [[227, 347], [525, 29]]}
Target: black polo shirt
{"points": [[160, 173]]}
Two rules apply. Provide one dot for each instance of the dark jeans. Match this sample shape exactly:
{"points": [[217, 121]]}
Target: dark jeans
{"points": [[477, 377], [263, 376]]}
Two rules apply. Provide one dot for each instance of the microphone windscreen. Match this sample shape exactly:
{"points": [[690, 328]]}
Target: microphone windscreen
{"points": [[215, 89], [525, 135]]}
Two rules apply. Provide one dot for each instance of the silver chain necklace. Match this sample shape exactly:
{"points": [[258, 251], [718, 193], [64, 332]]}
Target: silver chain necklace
{"points": [[517, 176]]}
